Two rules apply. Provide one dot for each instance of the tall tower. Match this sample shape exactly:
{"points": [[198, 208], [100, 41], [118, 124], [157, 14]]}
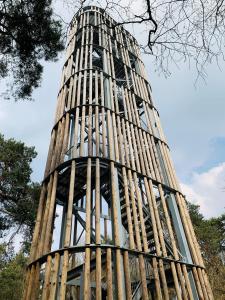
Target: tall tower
{"points": [[112, 222]]}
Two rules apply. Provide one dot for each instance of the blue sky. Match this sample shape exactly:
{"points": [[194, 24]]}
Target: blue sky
{"points": [[192, 118]]}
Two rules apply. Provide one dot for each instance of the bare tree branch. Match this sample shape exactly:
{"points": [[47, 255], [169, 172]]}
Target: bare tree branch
{"points": [[175, 30]]}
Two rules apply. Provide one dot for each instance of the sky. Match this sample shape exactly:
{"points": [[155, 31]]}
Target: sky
{"points": [[194, 124], [192, 117]]}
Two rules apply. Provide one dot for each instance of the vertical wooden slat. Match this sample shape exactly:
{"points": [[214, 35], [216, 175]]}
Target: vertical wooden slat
{"points": [[97, 230], [47, 243], [156, 279], [153, 219], [88, 204], [159, 226], [70, 206], [182, 281], [143, 277], [172, 168], [64, 275], [50, 152], [30, 281], [46, 288], [97, 202], [163, 278], [65, 138], [175, 280], [60, 144], [186, 229], [75, 83], [54, 277], [131, 155], [198, 284], [155, 166], [114, 205], [190, 294], [119, 274], [161, 240], [109, 273], [205, 293], [126, 142], [146, 146], [26, 283], [140, 151], [103, 117], [134, 211], [167, 170], [82, 128], [110, 137], [87, 274], [57, 145], [98, 274], [36, 283], [127, 275], [90, 126], [115, 138], [97, 140], [137, 234], [208, 287], [134, 145], [174, 247], [45, 219], [128, 210], [38, 224], [76, 127], [140, 212]]}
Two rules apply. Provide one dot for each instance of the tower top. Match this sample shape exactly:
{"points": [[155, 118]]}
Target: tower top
{"points": [[108, 20]]}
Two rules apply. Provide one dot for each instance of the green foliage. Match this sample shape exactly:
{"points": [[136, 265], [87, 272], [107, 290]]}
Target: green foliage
{"points": [[28, 34], [195, 214], [18, 195], [211, 237], [6, 255], [18, 204], [12, 271], [210, 232]]}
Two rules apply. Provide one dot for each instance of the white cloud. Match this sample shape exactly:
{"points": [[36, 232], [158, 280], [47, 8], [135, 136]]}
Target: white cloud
{"points": [[207, 190]]}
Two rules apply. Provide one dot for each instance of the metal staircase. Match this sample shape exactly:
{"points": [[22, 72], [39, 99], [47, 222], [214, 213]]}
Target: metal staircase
{"points": [[75, 273]]}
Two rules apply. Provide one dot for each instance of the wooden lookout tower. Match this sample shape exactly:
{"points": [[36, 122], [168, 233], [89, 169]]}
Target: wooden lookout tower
{"points": [[112, 222]]}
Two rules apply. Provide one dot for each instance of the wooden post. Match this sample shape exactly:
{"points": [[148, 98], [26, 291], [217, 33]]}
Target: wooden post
{"points": [[37, 228], [46, 288], [54, 276]]}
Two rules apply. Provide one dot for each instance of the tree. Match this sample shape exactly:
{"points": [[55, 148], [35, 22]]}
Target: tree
{"points": [[175, 30], [19, 198], [211, 237], [28, 34], [18, 195], [12, 271]]}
